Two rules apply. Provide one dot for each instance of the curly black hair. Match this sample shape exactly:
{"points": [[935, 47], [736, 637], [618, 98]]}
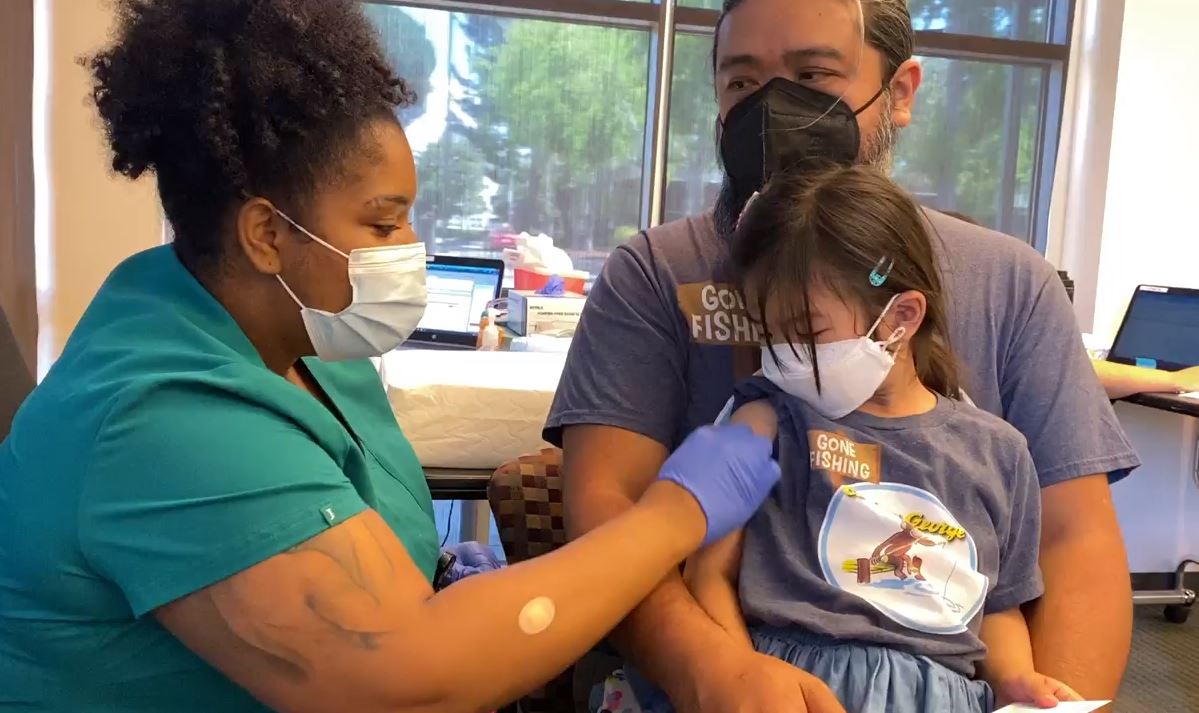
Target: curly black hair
{"points": [[223, 98]]}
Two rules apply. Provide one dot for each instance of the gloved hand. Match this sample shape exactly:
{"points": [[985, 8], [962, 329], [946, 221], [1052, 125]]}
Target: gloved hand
{"points": [[464, 560], [554, 287], [728, 470]]}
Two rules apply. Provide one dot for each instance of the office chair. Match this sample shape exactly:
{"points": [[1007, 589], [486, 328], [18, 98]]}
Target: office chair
{"points": [[15, 380]]}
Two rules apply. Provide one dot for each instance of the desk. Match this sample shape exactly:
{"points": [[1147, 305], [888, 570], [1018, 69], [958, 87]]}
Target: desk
{"points": [[1166, 402], [457, 483], [469, 486], [1158, 505]]}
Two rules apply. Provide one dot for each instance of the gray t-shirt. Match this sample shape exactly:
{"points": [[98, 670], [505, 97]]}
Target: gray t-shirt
{"points": [[654, 350], [895, 532]]}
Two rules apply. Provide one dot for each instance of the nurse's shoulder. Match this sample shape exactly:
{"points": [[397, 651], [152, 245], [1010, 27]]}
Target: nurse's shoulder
{"points": [[152, 331]]}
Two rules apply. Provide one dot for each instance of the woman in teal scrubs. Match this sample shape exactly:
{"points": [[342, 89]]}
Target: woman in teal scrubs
{"points": [[207, 505]]}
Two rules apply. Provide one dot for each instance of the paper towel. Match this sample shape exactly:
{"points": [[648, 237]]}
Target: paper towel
{"points": [[471, 409]]}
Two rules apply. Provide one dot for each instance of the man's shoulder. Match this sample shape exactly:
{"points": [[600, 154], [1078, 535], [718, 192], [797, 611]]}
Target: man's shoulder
{"points": [[983, 422], [985, 427], [681, 254], [691, 228], [980, 247], [680, 245]]}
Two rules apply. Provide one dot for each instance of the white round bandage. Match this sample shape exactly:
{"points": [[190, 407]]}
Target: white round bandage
{"points": [[537, 615]]}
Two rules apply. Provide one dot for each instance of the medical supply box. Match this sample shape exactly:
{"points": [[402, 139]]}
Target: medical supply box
{"points": [[531, 313]]}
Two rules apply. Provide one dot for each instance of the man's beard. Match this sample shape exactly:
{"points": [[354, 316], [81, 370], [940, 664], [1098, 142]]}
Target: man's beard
{"points": [[877, 152]]}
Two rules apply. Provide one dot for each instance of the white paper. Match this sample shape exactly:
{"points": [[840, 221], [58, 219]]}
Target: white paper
{"points": [[467, 409], [1063, 707]]}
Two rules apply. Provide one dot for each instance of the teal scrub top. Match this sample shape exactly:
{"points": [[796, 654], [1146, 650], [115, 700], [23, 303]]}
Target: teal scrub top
{"points": [[158, 457]]}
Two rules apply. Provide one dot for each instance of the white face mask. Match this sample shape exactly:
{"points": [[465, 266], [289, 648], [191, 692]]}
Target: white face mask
{"points": [[851, 370], [388, 302]]}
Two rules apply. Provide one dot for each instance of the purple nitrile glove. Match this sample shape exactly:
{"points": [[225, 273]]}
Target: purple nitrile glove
{"points": [[554, 287], [728, 470], [472, 558]]}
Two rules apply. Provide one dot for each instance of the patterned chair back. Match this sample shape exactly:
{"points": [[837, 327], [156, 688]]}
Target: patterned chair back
{"points": [[526, 499]]}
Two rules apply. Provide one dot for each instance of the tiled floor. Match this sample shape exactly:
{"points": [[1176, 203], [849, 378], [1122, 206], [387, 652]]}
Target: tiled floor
{"points": [[1163, 673]]}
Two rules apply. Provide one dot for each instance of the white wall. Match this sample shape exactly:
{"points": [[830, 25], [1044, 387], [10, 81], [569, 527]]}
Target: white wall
{"points": [[1148, 234], [88, 218], [1150, 227]]}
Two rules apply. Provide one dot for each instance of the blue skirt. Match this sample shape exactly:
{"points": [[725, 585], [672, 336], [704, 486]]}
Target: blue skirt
{"points": [[864, 677]]}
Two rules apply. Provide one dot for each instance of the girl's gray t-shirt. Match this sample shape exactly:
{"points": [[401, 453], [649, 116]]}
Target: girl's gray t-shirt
{"points": [[898, 532]]}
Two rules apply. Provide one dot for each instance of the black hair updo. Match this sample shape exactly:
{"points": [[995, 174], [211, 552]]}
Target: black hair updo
{"points": [[222, 98]]}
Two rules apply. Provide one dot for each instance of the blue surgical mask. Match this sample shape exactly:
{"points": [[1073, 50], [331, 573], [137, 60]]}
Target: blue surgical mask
{"points": [[389, 298]]}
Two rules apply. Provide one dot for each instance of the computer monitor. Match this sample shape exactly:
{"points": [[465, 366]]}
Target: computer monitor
{"points": [[459, 290], [1160, 329]]}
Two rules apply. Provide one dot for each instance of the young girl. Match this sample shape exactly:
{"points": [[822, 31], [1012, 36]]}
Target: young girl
{"points": [[894, 557]]}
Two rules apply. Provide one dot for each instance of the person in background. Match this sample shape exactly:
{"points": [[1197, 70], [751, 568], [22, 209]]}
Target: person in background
{"points": [[207, 505], [665, 336], [1123, 380]]}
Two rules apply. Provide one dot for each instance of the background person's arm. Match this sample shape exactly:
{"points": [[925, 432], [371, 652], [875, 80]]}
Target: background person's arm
{"points": [[1121, 380], [1082, 626]]}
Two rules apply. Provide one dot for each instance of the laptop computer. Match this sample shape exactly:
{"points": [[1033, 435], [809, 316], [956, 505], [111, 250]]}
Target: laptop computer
{"points": [[1160, 331], [459, 290]]}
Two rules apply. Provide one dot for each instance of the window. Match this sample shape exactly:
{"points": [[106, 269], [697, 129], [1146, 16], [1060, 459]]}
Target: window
{"points": [[523, 125], [983, 137], [1010, 19], [693, 172], [978, 159], [535, 121]]}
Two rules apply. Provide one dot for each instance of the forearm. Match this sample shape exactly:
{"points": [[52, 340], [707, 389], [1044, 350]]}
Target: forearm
{"points": [[1082, 627], [674, 657], [711, 576], [472, 620], [1009, 648], [1121, 380], [345, 621], [718, 598]]}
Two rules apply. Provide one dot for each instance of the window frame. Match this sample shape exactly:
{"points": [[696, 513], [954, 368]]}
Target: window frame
{"points": [[664, 20]]}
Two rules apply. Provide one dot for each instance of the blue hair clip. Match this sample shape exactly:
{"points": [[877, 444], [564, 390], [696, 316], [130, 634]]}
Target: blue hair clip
{"points": [[881, 271]]}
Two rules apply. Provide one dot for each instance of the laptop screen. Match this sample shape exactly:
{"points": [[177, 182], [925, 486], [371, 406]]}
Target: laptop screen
{"points": [[459, 290], [1160, 329]]}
